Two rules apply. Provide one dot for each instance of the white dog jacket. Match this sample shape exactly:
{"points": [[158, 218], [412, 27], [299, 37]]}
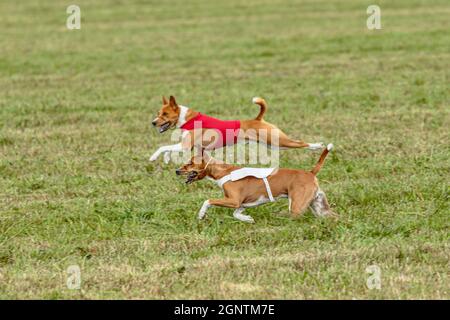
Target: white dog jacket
{"points": [[260, 173]]}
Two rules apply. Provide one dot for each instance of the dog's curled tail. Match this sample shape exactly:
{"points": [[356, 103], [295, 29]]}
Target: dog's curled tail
{"points": [[262, 103], [322, 159]]}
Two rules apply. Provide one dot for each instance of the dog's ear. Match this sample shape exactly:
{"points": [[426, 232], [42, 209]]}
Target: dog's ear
{"points": [[164, 100], [205, 156], [201, 154], [198, 153], [172, 102], [197, 150]]}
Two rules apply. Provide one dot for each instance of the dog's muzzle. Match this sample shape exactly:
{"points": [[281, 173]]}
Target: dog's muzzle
{"points": [[191, 177], [164, 127]]}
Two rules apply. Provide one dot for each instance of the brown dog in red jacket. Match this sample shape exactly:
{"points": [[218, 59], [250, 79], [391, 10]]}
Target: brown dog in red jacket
{"points": [[212, 133]]}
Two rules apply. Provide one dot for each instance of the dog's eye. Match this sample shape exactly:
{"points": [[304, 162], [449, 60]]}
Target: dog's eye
{"points": [[164, 114]]}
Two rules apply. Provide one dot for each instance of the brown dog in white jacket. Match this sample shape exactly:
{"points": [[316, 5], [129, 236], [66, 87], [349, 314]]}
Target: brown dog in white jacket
{"points": [[299, 186]]}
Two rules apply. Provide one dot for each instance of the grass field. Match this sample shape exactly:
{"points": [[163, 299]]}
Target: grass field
{"points": [[76, 187]]}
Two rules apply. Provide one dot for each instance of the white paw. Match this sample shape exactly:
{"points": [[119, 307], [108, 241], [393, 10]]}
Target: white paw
{"points": [[202, 212], [154, 157], [201, 215], [244, 218], [330, 147], [248, 219], [166, 157], [316, 146]]}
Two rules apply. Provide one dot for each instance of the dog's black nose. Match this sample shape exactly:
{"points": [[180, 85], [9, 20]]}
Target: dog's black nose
{"points": [[154, 123], [178, 172]]}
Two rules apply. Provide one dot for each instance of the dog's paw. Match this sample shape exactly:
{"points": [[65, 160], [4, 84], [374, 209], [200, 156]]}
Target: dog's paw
{"points": [[153, 157], [166, 157], [248, 219], [202, 212], [316, 146], [244, 217], [201, 215]]}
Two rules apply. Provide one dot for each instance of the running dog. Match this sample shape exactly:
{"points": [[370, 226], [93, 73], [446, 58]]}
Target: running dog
{"points": [[250, 187], [215, 133]]}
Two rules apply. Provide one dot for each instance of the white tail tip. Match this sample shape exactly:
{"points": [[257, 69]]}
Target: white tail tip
{"points": [[330, 146], [256, 99]]}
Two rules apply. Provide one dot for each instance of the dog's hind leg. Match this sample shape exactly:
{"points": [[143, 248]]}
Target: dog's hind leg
{"points": [[286, 142], [238, 215], [277, 138], [299, 199]]}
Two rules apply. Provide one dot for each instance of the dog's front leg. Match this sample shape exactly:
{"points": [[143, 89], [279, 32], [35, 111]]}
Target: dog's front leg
{"points": [[166, 150], [226, 202], [202, 212], [157, 153]]}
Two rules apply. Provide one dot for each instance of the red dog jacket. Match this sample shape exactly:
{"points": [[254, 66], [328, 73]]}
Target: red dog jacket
{"points": [[227, 130]]}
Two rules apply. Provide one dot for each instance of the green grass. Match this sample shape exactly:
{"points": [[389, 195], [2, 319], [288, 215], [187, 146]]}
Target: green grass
{"points": [[76, 186]]}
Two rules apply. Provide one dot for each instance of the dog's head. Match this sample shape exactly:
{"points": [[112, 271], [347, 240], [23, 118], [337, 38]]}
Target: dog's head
{"points": [[195, 169], [168, 115]]}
